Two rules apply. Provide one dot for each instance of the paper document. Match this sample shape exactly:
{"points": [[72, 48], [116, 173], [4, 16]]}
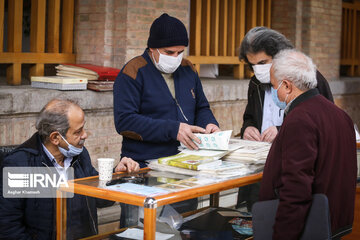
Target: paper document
{"points": [[137, 189], [135, 233], [214, 141]]}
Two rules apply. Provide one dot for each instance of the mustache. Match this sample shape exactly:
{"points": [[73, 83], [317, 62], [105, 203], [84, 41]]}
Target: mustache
{"points": [[82, 142]]}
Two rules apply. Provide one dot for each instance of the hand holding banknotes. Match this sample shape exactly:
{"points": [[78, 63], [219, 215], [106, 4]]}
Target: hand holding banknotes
{"points": [[186, 135]]}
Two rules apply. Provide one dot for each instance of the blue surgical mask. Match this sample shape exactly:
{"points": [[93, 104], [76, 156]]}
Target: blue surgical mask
{"points": [[72, 152], [275, 97]]}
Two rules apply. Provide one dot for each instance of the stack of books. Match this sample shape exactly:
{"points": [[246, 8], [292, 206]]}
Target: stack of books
{"points": [[59, 82], [99, 78], [242, 157]]}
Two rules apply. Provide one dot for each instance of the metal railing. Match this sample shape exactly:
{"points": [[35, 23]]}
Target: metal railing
{"points": [[217, 28], [59, 47], [350, 38]]}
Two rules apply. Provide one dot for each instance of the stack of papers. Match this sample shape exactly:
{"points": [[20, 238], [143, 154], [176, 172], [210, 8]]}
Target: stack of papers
{"points": [[249, 152], [230, 158]]}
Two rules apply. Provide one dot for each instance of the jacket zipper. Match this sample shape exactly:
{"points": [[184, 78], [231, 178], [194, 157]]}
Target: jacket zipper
{"points": [[181, 110], [91, 216], [257, 87]]}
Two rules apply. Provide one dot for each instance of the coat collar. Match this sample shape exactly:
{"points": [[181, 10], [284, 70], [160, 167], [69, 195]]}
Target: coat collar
{"points": [[34, 146], [302, 98], [257, 83]]}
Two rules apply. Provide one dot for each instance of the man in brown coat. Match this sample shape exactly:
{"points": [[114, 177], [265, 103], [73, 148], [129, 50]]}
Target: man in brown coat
{"points": [[314, 152]]}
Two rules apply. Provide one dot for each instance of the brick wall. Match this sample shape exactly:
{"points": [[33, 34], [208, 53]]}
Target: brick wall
{"points": [[112, 32], [89, 31], [314, 27], [102, 141]]}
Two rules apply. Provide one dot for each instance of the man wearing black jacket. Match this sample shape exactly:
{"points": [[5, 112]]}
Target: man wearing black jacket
{"points": [[262, 118], [59, 143]]}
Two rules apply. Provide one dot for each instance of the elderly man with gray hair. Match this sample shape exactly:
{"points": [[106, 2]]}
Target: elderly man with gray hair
{"points": [[314, 151], [59, 143]]}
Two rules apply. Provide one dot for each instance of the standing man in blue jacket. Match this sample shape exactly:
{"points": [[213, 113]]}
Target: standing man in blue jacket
{"points": [[158, 97], [59, 143]]}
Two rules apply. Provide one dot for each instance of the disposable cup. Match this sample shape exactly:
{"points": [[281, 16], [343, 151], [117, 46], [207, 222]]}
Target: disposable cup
{"points": [[105, 166]]}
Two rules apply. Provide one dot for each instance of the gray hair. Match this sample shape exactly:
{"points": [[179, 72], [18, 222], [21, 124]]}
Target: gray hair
{"points": [[263, 39], [53, 117], [296, 67]]}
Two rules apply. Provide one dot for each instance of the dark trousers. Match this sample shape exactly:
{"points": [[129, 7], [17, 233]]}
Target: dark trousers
{"points": [[248, 195]]}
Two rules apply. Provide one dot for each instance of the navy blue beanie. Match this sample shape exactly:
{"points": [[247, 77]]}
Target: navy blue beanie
{"points": [[167, 31]]}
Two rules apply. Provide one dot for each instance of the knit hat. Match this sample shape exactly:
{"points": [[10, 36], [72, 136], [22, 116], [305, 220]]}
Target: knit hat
{"points": [[167, 31]]}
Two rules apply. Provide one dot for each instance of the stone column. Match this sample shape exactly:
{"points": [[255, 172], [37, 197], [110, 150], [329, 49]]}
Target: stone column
{"points": [[314, 27]]}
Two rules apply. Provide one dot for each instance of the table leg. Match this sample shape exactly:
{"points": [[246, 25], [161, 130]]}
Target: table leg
{"points": [[60, 216], [149, 223], [214, 199], [150, 206]]}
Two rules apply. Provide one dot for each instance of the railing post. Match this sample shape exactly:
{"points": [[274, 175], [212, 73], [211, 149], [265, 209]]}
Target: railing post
{"points": [[67, 26], [53, 27], [15, 14], [2, 8], [37, 33]]}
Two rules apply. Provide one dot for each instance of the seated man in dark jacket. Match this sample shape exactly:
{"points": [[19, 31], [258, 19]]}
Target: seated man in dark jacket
{"points": [[58, 143]]}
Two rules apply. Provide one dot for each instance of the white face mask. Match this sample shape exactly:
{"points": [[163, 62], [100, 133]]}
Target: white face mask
{"points": [[262, 72], [168, 64]]}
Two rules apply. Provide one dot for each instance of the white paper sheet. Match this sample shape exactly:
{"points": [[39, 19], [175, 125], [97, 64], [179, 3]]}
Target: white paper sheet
{"points": [[135, 233], [137, 189], [214, 141]]}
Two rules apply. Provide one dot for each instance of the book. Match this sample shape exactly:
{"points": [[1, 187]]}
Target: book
{"points": [[94, 72], [100, 86], [59, 79], [75, 74], [59, 86], [192, 162]]}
